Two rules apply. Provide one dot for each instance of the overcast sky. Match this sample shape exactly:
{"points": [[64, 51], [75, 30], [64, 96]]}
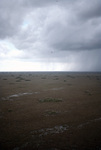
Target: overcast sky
{"points": [[50, 35]]}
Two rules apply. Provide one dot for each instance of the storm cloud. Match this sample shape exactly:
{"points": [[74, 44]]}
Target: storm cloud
{"points": [[63, 35]]}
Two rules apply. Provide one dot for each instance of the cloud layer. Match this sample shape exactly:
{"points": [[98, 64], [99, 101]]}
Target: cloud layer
{"points": [[57, 35]]}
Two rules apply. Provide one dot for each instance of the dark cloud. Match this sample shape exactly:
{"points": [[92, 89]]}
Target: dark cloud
{"points": [[11, 14], [81, 30], [89, 9], [54, 31], [88, 61], [44, 3]]}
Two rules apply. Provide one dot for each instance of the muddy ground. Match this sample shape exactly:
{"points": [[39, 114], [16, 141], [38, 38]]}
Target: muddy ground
{"points": [[50, 111]]}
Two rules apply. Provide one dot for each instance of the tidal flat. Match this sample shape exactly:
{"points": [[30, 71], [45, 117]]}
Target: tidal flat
{"points": [[50, 110]]}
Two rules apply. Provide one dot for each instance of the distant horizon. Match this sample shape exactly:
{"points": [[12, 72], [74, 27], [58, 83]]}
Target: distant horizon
{"points": [[52, 71]]}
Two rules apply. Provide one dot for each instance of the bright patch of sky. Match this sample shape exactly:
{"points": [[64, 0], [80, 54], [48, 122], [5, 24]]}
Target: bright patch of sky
{"points": [[25, 24]]}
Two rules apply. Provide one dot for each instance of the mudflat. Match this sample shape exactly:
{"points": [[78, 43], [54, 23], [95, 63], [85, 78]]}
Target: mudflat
{"points": [[50, 110]]}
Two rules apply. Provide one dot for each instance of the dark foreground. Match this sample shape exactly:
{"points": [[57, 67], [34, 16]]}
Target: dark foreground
{"points": [[50, 111]]}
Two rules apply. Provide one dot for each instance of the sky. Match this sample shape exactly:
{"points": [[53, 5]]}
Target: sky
{"points": [[50, 35]]}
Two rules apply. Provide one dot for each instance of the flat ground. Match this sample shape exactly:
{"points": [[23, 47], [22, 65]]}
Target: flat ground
{"points": [[50, 111]]}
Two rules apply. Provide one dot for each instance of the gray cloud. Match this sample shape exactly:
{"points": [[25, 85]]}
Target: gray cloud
{"points": [[89, 10], [11, 16], [53, 31], [12, 13], [81, 30]]}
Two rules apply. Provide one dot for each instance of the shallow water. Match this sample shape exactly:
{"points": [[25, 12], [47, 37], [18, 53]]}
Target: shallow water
{"points": [[59, 129], [88, 122], [16, 95], [20, 94], [47, 131], [60, 88]]}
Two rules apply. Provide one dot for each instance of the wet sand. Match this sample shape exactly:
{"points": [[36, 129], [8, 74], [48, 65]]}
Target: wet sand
{"points": [[50, 111]]}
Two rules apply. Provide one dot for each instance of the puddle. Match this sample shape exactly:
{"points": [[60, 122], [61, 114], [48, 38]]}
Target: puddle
{"points": [[48, 131], [38, 135], [88, 122], [19, 94], [55, 89], [16, 95], [36, 92], [48, 113], [59, 129]]}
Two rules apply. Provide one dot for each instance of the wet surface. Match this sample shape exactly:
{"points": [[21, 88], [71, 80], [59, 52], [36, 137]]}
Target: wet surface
{"points": [[63, 111], [51, 113], [60, 129], [48, 131], [55, 89], [18, 95], [38, 135], [88, 122]]}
